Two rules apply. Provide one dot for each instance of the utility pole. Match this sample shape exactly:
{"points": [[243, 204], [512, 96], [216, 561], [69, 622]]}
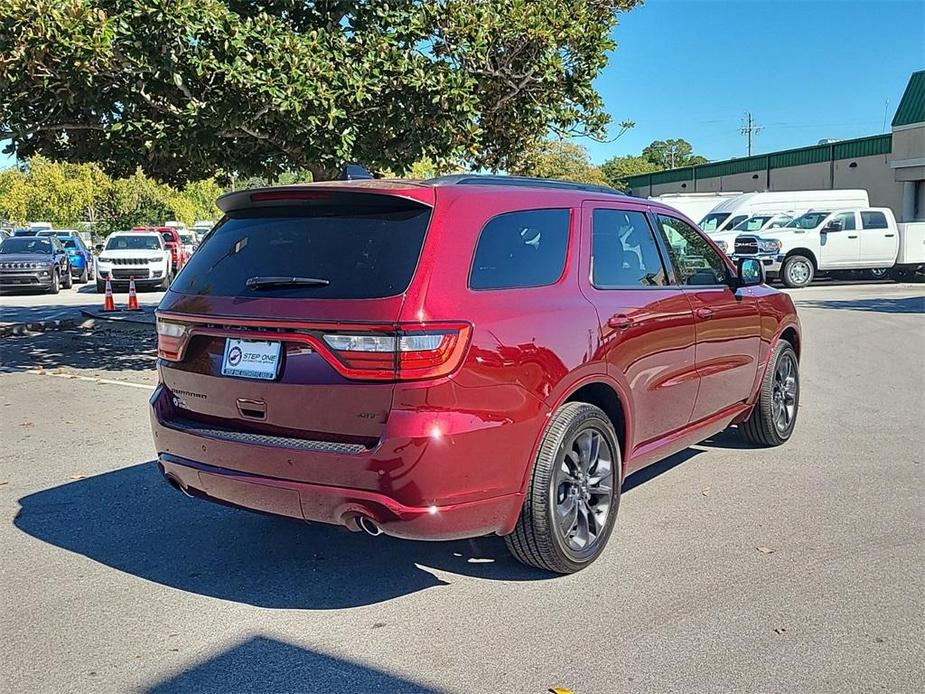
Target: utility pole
{"points": [[750, 130]]}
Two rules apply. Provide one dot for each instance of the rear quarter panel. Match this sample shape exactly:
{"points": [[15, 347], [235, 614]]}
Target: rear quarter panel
{"points": [[529, 346]]}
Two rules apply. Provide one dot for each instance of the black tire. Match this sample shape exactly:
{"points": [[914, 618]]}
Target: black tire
{"points": [[55, 283], [537, 539], [878, 273], [165, 283], [84, 276], [763, 427], [797, 271], [902, 274], [100, 287], [68, 279]]}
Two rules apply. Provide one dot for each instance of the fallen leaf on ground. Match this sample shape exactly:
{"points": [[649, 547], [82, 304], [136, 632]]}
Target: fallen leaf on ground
{"points": [[76, 477], [780, 630], [765, 550], [706, 491], [26, 424], [2, 482]]}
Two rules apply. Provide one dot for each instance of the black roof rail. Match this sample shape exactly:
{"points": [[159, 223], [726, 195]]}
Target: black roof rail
{"points": [[521, 181]]}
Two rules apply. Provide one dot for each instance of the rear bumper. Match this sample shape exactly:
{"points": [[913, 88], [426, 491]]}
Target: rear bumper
{"points": [[336, 505], [412, 484]]}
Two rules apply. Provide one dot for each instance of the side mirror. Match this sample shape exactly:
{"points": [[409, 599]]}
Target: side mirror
{"points": [[99, 247], [834, 225], [750, 272]]}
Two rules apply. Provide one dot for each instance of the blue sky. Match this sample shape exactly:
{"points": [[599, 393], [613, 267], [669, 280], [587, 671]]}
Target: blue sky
{"points": [[807, 70]]}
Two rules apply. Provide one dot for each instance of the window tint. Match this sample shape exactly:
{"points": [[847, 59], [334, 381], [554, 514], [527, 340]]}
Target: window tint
{"points": [[363, 251], [713, 221], [27, 244], [873, 220], [138, 242], [846, 219], [623, 251], [521, 249], [695, 262], [738, 219]]}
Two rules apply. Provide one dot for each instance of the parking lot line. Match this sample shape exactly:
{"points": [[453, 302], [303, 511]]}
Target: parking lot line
{"points": [[76, 377]]}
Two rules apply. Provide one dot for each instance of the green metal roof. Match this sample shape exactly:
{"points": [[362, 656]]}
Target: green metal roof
{"points": [[846, 149], [912, 105]]}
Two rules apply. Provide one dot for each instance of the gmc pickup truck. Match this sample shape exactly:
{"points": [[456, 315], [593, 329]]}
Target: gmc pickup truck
{"points": [[833, 241]]}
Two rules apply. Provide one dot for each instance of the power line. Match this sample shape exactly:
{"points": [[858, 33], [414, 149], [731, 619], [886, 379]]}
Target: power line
{"points": [[750, 130]]}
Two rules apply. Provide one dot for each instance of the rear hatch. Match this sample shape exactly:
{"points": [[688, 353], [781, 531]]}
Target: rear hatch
{"points": [[283, 323]]}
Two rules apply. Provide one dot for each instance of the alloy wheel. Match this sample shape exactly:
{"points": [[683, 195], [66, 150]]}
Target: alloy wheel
{"points": [[583, 490], [784, 393]]}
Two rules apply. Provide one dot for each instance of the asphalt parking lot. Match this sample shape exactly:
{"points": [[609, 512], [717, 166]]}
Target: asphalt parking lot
{"points": [[796, 569], [23, 307]]}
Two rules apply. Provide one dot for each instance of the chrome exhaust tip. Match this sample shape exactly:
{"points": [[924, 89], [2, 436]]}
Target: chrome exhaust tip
{"points": [[369, 526]]}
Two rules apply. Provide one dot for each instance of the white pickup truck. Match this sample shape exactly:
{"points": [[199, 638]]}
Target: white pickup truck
{"points": [[832, 241]]}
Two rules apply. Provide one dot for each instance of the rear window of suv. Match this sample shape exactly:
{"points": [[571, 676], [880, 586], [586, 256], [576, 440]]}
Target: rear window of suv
{"points": [[358, 252]]}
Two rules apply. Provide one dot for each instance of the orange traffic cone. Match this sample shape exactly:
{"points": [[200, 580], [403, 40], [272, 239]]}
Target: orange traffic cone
{"points": [[132, 297], [108, 303]]}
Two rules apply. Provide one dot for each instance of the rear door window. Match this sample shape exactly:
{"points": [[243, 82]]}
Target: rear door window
{"points": [[623, 251], [355, 251], [521, 249], [873, 220]]}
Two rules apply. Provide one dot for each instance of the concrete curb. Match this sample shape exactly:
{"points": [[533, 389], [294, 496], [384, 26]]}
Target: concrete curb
{"points": [[41, 326], [144, 317], [87, 319]]}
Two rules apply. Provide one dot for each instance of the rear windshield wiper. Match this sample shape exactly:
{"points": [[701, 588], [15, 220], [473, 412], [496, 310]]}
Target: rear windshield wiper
{"points": [[267, 282]]}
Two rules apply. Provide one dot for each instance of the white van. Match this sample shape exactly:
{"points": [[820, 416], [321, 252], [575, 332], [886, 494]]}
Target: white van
{"points": [[731, 212], [694, 205]]}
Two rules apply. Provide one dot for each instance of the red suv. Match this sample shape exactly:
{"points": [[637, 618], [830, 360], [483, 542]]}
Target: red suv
{"points": [[459, 357]]}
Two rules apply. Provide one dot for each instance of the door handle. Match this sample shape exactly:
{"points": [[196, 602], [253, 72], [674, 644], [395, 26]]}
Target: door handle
{"points": [[853, 237], [889, 236], [619, 321], [704, 313]]}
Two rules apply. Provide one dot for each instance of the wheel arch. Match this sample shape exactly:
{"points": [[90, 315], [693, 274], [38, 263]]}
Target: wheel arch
{"points": [[605, 397], [602, 392], [791, 335], [805, 252]]}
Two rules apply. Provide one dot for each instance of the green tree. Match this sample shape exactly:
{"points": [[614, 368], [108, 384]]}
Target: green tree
{"points": [[672, 154], [617, 169], [559, 159], [184, 89]]}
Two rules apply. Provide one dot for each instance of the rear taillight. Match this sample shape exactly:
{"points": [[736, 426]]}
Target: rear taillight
{"points": [[170, 338], [412, 352], [386, 353]]}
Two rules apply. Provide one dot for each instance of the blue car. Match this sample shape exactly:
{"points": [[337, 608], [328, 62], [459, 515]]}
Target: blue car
{"points": [[77, 252]]}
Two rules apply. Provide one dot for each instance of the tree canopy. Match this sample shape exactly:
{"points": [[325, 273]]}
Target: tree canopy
{"points": [[559, 159], [70, 195], [672, 154], [186, 88], [657, 156]]}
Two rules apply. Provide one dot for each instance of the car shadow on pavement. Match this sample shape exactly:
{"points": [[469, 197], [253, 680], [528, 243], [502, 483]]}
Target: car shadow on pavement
{"points": [[132, 520], [911, 304], [269, 665]]}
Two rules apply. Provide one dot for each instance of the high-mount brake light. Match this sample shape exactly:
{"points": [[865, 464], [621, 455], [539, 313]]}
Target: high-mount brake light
{"points": [[410, 353], [274, 195]]}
